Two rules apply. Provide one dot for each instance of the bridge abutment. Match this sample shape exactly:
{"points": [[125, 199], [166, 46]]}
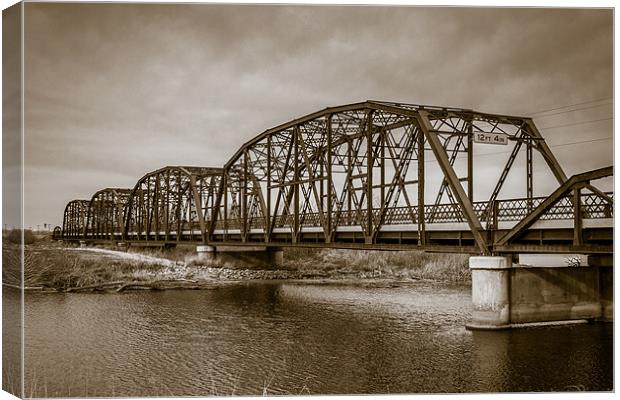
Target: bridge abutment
{"points": [[507, 294], [243, 256]]}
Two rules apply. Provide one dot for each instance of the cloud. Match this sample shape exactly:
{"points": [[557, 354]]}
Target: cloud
{"points": [[116, 90]]}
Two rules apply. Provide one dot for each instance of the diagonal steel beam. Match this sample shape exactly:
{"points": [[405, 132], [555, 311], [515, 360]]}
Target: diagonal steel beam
{"points": [[550, 201], [453, 181], [198, 204]]}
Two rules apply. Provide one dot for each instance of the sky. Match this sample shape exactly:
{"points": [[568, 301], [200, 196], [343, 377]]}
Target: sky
{"points": [[113, 91]]}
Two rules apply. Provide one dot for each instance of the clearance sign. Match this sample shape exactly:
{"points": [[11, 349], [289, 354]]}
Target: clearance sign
{"points": [[490, 138]]}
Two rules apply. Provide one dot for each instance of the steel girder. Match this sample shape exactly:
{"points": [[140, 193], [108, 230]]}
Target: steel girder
{"points": [[570, 192], [338, 177], [363, 165], [57, 233], [172, 203], [74, 219], [105, 214]]}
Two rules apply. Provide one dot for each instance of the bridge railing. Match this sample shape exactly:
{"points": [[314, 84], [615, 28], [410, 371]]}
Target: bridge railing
{"points": [[593, 206]]}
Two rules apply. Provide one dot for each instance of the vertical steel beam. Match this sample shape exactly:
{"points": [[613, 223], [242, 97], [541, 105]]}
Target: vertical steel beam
{"points": [[470, 161], [577, 217], [167, 209], [529, 172], [453, 180], [328, 224], [295, 184], [156, 205], [421, 216], [369, 172], [149, 209], [179, 203], [267, 225], [244, 197], [321, 178], [382, 134], [225, 199], [349, 182]]}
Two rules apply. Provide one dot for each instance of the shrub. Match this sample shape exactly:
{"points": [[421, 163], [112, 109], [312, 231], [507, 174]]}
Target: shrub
{"points": [[15, 236]]}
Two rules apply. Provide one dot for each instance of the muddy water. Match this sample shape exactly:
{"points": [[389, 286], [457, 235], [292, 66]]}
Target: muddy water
{"points": [[290, 338]]}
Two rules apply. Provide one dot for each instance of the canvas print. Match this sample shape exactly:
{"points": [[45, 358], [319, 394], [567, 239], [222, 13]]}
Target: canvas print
{"points": [[235, 200]]}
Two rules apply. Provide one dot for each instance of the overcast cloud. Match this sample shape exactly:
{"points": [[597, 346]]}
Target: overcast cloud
{"points": [[116, 90]]}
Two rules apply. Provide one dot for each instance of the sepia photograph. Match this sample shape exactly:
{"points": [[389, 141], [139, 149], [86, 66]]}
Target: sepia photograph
{"points": [[226, 199]]}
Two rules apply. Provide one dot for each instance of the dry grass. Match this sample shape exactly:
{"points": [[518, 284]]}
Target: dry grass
{"points": [[61, 269], [178, 253], [46, 264], [388, 264]]}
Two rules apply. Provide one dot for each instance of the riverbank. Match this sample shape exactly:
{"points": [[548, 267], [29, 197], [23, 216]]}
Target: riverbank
{"points": [[51, 267]]}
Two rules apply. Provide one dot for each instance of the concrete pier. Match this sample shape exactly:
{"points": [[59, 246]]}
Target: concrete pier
{"points": [[506, 294], [205, 252], [605, 265], [243, 256], [490, 292]]}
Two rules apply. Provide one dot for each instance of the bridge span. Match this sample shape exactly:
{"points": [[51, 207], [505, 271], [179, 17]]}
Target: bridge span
{"points": [[370, 175], [356, 176]]}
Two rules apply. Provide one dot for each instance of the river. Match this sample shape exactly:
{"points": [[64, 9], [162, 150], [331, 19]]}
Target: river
{"points": [[296, 338]]}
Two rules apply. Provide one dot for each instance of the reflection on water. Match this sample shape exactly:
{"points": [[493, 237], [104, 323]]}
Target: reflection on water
{"points": [[296, 338]]}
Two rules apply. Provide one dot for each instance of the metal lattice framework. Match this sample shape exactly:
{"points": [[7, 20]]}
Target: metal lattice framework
{"points": [[358, 176], [364, 166], [172, 203], [74, 219], [105, 214]]}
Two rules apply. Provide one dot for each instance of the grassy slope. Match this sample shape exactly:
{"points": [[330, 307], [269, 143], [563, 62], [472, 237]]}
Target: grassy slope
{"points": [[50, 265]]}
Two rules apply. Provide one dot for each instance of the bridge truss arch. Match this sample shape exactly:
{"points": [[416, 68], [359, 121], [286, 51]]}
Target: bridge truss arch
{"points": [[173, 203], [105, 214], [74, 219], [349, 173]]}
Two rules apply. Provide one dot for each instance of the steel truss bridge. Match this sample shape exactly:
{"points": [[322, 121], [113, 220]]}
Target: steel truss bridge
{"points": [[361, 176]]}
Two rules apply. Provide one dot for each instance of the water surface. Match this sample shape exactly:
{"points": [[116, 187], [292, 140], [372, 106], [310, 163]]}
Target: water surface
{"points": [[291, 338]]}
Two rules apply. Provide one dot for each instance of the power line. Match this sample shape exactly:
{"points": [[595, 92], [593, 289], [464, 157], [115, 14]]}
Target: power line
{"points": [[570, 105], [575, 109], [507, 152], [583, 141], [555, 145], [576, 123]]}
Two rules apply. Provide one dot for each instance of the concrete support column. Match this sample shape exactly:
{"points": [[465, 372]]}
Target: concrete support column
{"points": [[277, 257], [490, 286], [205, 252], [252, 257], [605, 264]]}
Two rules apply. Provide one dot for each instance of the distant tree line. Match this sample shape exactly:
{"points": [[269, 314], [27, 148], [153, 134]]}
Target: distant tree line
{"points": [[15, 236]]}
